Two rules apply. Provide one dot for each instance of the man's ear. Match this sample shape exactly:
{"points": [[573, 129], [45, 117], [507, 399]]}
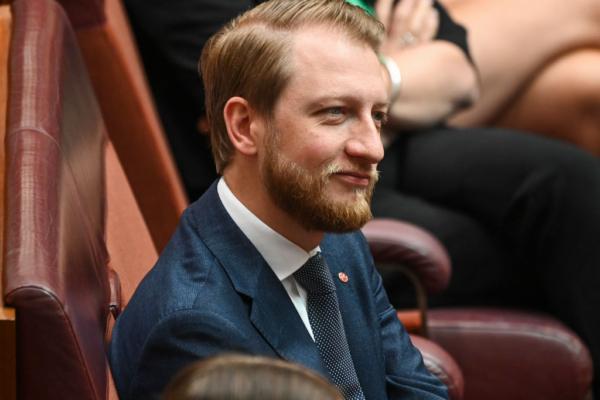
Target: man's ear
{"points": [[239, 117]]}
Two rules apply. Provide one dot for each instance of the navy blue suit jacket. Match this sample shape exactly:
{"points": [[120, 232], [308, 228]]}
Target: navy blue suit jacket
{"points": [[212, 292]]}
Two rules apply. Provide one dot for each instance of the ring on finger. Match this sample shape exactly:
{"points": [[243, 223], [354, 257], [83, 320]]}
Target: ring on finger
{"points": [[408, 39]]}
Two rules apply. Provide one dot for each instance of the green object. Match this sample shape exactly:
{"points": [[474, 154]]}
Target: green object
{"points": [[364, 4]]}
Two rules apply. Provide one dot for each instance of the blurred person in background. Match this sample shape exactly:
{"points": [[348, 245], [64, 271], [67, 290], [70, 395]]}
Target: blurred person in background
{"points": [[539, 63]]}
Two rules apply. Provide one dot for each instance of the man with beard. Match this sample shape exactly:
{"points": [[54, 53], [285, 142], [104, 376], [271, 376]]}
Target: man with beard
{"points": [[269, 260]]}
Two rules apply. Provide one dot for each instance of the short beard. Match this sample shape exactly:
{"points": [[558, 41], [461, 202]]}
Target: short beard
{"points": [[302, 194]]}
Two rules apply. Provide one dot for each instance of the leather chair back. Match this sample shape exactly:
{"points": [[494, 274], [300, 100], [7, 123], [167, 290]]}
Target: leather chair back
{"points": [[7, 315], [70, 213], [55, 257]]}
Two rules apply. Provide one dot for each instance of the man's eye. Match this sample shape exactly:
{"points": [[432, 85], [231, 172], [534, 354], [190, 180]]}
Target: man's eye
{"points": [[335, 111], [334, 115], [380, 118]]}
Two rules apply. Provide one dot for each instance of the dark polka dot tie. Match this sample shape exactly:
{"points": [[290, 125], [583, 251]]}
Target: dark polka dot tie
{"points": [[328, 329]]}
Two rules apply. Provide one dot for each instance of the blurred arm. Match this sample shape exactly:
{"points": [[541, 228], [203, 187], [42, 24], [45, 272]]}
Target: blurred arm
{"points": [[438, 78]]}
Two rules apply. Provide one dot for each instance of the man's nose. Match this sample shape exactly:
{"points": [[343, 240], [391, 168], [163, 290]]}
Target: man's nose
{"points": [[365, 143]]}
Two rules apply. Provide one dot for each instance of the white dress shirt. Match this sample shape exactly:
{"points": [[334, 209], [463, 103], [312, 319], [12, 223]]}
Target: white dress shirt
{"points": [[283, 256]]}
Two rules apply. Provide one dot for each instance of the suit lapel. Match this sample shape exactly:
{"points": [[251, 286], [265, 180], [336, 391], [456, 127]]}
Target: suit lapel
{"points": [[272, 312], [276, 318]]}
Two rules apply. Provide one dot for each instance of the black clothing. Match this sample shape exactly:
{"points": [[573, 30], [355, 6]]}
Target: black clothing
{"points": [[170, 36]]}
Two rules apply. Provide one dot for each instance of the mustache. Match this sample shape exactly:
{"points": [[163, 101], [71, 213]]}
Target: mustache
{"points": [[370, 171]]}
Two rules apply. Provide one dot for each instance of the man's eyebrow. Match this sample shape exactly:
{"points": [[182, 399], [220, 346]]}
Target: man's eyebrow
{"points": [[385, 104], [323, 100]]}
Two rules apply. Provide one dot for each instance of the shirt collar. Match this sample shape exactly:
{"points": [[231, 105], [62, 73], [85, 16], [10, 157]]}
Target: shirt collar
{"points": [[283, 256]]}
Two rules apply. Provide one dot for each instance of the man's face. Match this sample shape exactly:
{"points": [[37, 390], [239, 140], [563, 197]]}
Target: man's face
{"points": [[323, 142]]}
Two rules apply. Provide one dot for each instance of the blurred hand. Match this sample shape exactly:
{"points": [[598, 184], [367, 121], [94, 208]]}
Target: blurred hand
{"points": [[407, 23]]}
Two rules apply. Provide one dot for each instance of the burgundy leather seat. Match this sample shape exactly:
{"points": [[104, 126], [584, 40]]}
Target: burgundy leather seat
{"points": [[70, 213], [503, 354], [511, 354], [55, 257]]}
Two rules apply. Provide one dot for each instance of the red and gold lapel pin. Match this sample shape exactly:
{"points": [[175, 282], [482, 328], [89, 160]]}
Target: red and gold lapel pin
{"points": [[343, 277]]}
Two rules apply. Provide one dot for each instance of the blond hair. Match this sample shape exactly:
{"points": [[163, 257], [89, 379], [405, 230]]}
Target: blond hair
{"points": [[249, 57], [244, 377]]}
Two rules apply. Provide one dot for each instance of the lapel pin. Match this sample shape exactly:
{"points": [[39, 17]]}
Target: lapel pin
{"points": [[343, 277]]}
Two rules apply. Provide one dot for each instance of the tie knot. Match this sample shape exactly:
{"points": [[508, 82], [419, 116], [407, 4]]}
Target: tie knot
{"points": [[314, 276]]}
